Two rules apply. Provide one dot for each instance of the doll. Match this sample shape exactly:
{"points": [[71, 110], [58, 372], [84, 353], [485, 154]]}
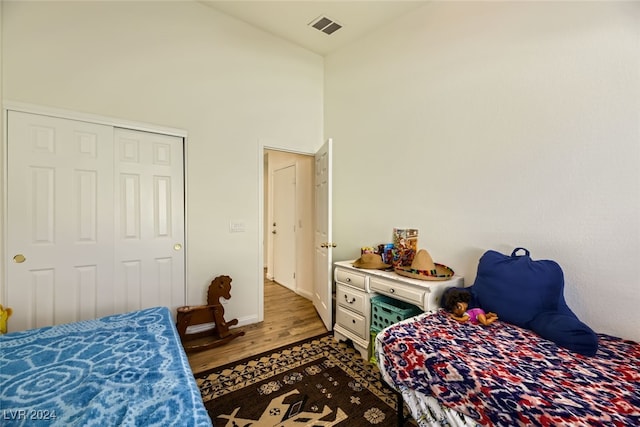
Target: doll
{"points": [[456, 302]]}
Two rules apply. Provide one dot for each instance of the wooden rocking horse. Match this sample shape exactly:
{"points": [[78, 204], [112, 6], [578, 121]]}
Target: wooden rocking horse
{"points": [[213, 312]]}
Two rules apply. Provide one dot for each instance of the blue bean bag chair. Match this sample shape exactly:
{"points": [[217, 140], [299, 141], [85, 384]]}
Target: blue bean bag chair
{"points": [[530, 294]]}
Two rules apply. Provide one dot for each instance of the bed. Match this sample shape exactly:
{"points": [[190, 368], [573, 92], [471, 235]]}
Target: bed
{"points": [[127, 369], [539, 364], [451, 373]]}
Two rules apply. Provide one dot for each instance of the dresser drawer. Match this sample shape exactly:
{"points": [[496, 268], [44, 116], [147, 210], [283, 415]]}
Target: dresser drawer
{"points": [[397, 290], [351, 278], [352, 299], [352, 321]]}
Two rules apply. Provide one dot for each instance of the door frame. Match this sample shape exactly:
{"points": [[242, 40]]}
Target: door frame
{"points": [[268, 144], [86, 117]]}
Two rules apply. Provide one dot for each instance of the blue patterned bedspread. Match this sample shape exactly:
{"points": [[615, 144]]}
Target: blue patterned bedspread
{"points": [[128, 369], [507, 376]]}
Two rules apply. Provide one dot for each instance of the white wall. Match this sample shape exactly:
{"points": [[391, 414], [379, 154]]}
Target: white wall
{"points": [[186, 66], [492, 125]]}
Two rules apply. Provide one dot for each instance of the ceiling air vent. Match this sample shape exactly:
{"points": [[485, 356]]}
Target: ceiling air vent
{"points": [[326, 25]]}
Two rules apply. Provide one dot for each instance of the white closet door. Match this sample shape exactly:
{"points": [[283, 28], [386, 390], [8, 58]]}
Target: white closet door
{"points": [[149, 220], [60, 221], [95, 220]]}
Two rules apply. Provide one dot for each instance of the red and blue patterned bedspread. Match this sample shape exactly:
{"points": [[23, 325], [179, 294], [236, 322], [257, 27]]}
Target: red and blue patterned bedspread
{"points": [[505, 375]]}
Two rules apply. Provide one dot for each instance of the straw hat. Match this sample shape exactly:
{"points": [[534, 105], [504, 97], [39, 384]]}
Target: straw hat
{"points": [[370, 261], [423, 268]]}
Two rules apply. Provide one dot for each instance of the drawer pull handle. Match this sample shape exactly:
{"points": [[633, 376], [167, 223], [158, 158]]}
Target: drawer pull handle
{"points": [[353, 321], [346, 298], [392, 290], [348, 279]]}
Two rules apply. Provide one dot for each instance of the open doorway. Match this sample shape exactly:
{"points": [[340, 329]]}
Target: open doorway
{"points": [[288, 220]]}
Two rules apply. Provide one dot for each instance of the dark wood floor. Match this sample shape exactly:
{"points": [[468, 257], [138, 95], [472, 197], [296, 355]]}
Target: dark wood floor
{"points": [[288, 318]]}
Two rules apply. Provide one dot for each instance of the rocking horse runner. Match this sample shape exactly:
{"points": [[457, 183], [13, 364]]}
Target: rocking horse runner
{"points": [[213, 312]]}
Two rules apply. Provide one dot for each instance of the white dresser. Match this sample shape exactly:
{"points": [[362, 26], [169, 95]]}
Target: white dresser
{"points": [[355, 286]]}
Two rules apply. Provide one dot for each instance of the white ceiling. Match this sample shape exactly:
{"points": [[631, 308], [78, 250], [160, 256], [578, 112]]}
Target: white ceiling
{"points": [[290, 19]]}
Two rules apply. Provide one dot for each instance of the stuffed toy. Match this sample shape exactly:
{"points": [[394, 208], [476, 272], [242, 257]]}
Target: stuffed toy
{"points": [[4, 316], [456, 302]]}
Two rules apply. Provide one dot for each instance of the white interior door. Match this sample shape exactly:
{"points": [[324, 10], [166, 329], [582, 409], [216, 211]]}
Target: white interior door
{"points": [[59, 208], [62, 212], [149, 206], [323, 234], [283, 226]]}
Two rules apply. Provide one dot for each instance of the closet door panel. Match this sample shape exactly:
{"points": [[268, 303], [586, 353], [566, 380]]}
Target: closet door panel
{"points": [[149, 220], [59, 212]]}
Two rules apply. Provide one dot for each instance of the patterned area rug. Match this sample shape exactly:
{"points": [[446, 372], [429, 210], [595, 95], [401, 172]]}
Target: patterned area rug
{"points": [[317, 382]]}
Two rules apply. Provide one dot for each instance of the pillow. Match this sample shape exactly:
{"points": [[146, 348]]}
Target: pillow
{"points": [[530, 294], [516, 287], [566, 331]]}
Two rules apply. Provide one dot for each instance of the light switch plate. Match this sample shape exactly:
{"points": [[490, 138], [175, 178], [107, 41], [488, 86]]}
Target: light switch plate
{"points": [[236, 226]]}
